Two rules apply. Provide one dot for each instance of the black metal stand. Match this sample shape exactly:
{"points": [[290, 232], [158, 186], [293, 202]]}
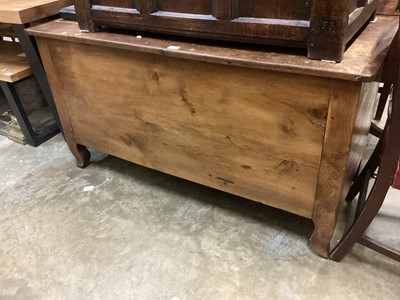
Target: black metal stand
{"points": [[29, 46], [17, 109]]}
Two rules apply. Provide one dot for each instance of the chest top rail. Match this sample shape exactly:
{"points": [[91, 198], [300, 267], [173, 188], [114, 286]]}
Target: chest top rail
{"points": [[361, 62]]}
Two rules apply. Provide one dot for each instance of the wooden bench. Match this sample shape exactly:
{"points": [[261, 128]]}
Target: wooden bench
{"points": [[15, 69]]}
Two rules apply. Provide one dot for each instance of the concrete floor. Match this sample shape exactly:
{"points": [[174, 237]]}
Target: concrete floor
{"points": [[116, 230]]}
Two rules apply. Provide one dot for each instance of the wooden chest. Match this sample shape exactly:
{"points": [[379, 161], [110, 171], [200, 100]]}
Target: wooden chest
{"points": [[275, 128], [322, 26]]}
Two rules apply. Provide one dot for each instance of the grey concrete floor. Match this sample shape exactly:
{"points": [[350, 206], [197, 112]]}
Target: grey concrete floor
{"points": [[116, 230]]}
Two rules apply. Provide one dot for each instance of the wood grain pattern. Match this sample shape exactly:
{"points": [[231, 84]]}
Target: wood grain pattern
{"points": [[361, 62], [349, 118], [13, 65], [25, 11], [188, 119]]}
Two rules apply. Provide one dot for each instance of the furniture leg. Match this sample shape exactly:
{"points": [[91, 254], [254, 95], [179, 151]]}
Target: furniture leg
{"points": [[375, 130], [327, 34], [81, 154], [84, 15], [321, 237], [30, 49], [19, 112], [365, 218], [381, 248], [363, 194]]}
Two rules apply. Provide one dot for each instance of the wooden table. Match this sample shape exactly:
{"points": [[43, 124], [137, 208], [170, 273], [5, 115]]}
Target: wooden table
{"points": [[273, 127], [13, 68], [16, 76], [13, 65], [20, 13], [26, 11]]}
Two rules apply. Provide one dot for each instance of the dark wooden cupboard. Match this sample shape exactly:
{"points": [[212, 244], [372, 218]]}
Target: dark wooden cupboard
{"points": [[323, 27]]}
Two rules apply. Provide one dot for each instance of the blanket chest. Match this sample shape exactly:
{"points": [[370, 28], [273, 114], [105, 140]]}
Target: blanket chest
{"points": [[323, 27], [276, 128]]}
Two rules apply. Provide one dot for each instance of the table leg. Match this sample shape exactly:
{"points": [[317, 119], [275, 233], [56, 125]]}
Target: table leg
{"points": [[19, 112], [30, 49]]}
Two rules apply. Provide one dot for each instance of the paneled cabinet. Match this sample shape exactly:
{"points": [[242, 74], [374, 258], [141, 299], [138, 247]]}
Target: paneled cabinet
{"points": [[323, 27]]}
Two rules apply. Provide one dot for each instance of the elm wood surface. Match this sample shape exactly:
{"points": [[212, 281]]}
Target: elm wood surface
{"points": [[13, 65], [288, 140], [26, 11], [324, 27]]}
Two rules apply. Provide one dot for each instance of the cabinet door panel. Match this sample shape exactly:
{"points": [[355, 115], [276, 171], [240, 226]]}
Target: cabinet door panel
{"points": [[188, 6], [275, 9], [120, 3]]}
